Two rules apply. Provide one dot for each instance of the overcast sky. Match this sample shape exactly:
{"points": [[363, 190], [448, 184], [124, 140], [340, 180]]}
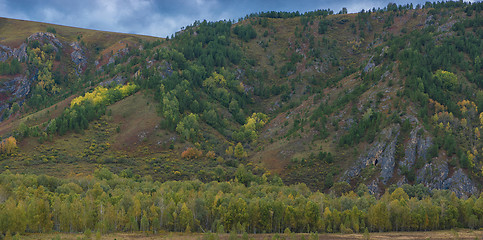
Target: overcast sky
{"points": [[162, 17]]}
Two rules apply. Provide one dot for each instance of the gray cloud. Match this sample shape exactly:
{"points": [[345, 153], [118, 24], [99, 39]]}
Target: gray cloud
{"points": [[161, 17]]}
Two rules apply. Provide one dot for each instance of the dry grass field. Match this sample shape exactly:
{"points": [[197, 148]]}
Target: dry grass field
{"points": [[448, 234]]}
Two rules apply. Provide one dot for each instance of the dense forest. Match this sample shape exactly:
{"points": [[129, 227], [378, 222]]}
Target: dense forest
{"points": [[107, 202]]}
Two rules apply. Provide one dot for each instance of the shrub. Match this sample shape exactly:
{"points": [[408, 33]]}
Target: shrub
{"points": [[192, 153]]}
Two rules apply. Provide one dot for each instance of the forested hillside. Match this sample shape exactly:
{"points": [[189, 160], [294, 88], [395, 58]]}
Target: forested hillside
{"points": [[322, 121]]}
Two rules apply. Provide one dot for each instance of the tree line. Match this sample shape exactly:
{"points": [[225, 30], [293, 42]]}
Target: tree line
{"points": [[107, 202]]}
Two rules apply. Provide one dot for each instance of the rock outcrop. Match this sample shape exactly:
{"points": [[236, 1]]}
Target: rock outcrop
{"points": [[165, 69], [14, 90], [121, 52], [460, 184], [435, 175], [5, 53], [78, 57], [370, 65], [117, 80], [381, 154], [17, 88], [23, 87], [46, 38], [19, 53], [416, 147]]}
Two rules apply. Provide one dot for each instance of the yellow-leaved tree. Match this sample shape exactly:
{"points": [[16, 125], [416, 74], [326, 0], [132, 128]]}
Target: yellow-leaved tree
{"points": [[216, 80], [248, 132], [9, 145]]}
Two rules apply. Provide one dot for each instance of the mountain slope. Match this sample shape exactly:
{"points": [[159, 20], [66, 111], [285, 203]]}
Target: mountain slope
{"points": [[386, 97]]}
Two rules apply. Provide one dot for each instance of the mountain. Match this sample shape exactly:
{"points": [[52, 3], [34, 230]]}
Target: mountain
{"points": [[383, 98]]}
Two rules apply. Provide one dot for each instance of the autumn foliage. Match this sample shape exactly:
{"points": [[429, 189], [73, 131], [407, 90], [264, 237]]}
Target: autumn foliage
{"points": [[102, 95], [211, 155], [8, 145], [192, 153]]}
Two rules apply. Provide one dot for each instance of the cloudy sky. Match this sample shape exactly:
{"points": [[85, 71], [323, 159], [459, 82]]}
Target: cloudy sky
{"points": [[162, 17]]}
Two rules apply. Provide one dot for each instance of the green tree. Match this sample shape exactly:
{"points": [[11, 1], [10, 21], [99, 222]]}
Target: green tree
{"points": [[446, 79], [144, 222], [188, 127], [170, 110], [379, 217], [239, 151]]}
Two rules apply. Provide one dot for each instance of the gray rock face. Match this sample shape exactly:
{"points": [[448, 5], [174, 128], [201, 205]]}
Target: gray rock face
{"points": [[423, 145], [387, 159], [18, 87], [429, 21], [3, 107], [436, 176], [14, 90], [19, 53], [382, 154], [117, 80], [122, 52], [370, 65], [402, 181], [111, 60], [460, 184], [78, 56], [348, 123], [416, 147], [410, 151], [5, 53], [119, 53], [446, 27], [433, 175], [8, 86], [23, 87], [374, 188], [150, 63], [165, 69], [46, 38]]}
